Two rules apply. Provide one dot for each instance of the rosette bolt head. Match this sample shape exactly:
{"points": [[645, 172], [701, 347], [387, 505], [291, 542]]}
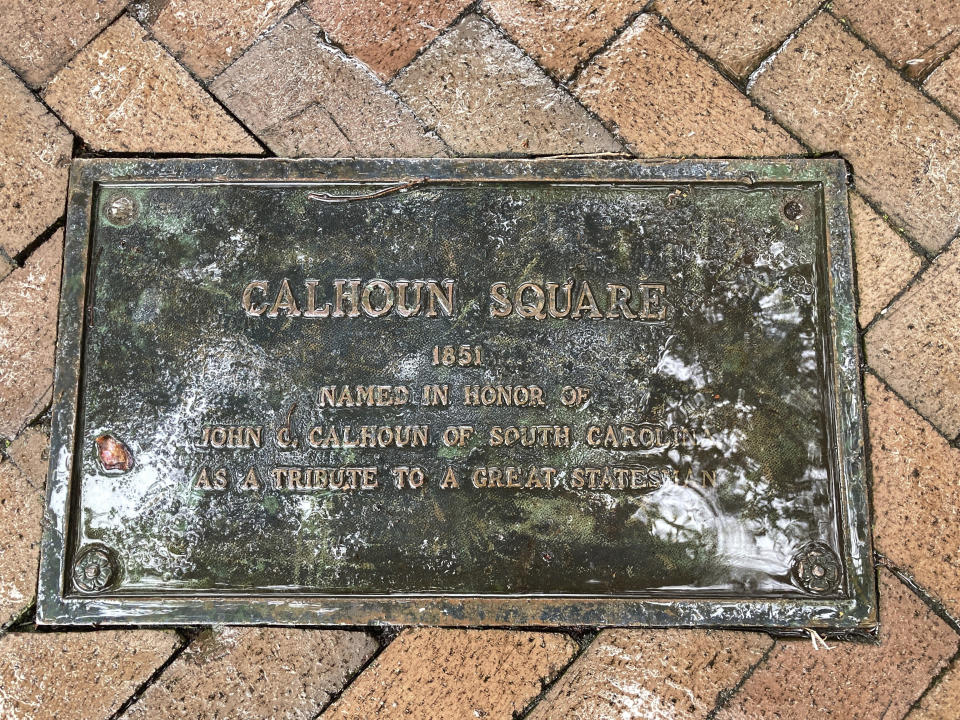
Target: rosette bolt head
{"points": [[94, 570], [816, 569]]}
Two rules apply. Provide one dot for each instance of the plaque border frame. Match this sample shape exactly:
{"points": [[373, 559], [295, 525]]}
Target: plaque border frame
{"points": [[853, 613]]}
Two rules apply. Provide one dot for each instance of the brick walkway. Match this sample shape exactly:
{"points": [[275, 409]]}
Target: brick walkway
{"points": [[876, 81]]}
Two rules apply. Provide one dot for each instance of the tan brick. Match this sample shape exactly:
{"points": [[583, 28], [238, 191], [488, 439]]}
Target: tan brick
{"points": [[251, 673], [312, 131], [916, 497], [208, 35], [667, 101], [34, 161], [21, 512], [563, 33], [676, 674], [384, 35], [125, 92], [837, 94], [38, 37], [77, 675], [885, 262], [943, 700], [944, 83], [484, 96], [853, 680], [30, 453], [738, 34], [911, 34], [304, 97], [434, 674], [28, 331], [915, 347]]}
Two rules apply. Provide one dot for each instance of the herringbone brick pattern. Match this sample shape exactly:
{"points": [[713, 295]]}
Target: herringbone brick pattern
{"points": [[874, 81]]}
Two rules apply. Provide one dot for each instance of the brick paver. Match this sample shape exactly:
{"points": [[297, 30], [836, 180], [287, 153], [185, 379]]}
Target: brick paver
{"points": [[911, 34], [30, 454], [943, 700], [34, 160], [38, 37], [676, 674], [247, 673], [21, 510], [433, 674], [384, 35], [484, 96], [303, 97], [837, 94], [560, 35], [397, 77], [916, 345], [916, 494], [77, 675], [944, 83], [885, 262], [28, 330], [738, 34], [207, 35], [851, 681], [666, 101], [125, 92]]}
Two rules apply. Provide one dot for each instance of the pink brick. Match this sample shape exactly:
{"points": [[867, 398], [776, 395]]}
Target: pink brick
{"points": [[125, 92], [484, 96], [303, 97], [913, 35], [667, 101], [34, 160], [384, 35], [28, 331], [38, 37], [838, 95], [562, 33], [852, 681]]}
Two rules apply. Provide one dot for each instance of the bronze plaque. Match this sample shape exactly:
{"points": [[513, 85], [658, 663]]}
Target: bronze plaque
{"points": [[458, 392]]}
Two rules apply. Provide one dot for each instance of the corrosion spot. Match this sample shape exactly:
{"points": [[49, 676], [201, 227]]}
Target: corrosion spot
{"points": [[114, 454]]}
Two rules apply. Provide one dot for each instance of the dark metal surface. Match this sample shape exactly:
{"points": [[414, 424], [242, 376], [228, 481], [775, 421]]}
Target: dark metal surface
{"points": [[680, 443]]}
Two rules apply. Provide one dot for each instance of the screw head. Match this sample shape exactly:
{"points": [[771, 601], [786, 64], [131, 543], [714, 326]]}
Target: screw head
{"points": [[816, 569], [121, 209], [792, 210], [94, 569]]}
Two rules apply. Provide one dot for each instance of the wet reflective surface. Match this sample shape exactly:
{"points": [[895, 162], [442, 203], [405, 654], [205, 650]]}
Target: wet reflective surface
{"points": [[463, 418]]}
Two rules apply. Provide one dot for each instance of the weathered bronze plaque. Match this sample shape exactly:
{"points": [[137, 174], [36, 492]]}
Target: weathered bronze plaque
{"points": [[458, 392]]}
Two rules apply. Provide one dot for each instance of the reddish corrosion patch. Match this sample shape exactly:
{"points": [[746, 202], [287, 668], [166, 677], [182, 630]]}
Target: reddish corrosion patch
{"points": [[114, 454]]}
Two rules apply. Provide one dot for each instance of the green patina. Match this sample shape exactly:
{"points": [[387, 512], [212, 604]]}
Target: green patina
{"points": [[745, 360]]}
